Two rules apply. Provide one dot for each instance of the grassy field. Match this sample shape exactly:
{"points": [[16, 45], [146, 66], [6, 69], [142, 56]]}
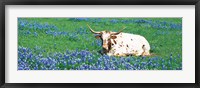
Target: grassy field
{"points": [[67, 44]]}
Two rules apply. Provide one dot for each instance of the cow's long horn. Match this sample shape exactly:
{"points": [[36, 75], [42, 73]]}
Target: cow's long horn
{"points": [[119, 31], [93, 30]]}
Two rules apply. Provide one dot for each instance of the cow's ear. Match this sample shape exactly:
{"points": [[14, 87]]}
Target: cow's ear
{"points": [[113, 37], [97, 36]]}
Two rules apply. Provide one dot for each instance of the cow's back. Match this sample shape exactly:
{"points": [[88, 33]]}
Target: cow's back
{"points": [[132, 42]]}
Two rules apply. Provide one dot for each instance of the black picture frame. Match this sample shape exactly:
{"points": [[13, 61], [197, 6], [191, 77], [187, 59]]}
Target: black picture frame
{"points": [[98, 2]]}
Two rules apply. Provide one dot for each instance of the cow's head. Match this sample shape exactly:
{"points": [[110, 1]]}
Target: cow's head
{"points": [[106, 37]]}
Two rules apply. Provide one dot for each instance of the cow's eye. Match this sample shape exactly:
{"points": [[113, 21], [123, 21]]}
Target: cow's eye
{"points": [[112, 44]]}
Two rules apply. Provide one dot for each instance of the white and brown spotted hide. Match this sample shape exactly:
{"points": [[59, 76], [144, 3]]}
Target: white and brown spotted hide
{"points": [[129, 44], [122, 44]]}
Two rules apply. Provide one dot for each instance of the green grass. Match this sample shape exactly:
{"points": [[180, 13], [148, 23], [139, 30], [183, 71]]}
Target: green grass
{"points": [[163, 41]]}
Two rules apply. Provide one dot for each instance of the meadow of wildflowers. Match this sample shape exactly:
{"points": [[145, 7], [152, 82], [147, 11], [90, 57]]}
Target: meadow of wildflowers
{"points": [[67, 44]]}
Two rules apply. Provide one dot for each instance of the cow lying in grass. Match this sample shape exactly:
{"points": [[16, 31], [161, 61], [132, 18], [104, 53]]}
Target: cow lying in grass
{"points": [[122, 44]]}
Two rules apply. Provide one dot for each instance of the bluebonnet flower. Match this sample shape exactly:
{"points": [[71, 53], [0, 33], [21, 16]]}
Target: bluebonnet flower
{"points": [[84, 60], [35, 34], [114, 21], [24, 24]]}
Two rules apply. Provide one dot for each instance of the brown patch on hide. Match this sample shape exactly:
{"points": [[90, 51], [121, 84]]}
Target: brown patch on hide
{"points": [[109, 44], [114, 41]]}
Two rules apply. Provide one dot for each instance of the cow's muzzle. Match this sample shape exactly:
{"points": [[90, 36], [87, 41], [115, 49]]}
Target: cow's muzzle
{"points": [[105, 46], [105, 50]]}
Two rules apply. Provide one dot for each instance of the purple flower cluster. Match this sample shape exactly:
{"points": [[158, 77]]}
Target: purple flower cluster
{"points": [[153, 24], [33, 59], [24, 24], [97, 43], [147, 23]]}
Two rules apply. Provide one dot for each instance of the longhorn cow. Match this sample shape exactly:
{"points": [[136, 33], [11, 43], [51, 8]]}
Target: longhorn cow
{"points": [[122, 44]]}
